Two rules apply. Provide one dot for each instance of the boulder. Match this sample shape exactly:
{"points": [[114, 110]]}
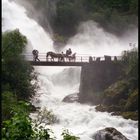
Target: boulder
{"points": [[71, 98], [109, 133]]}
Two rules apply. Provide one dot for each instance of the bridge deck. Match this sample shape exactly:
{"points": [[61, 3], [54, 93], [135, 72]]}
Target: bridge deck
{"points": [[79, 60], [48, 63]]}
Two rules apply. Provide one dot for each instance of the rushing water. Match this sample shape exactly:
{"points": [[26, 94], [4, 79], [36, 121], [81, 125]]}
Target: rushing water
{"points": [[57, 82]]}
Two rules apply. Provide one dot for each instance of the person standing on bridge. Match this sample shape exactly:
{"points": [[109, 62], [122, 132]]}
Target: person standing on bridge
{"points": [[35, 55]]}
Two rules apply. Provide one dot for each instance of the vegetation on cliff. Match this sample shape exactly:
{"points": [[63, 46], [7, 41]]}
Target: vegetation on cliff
{"points": [[111, 15], [122, 96], [64, 16]]}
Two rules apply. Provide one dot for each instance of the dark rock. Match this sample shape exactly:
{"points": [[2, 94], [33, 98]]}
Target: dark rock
{"points": [[32, 108], [71, 98], [101, 108], [117, 91], [113, 108], [116, 113], [130, 115], [109, 133]]}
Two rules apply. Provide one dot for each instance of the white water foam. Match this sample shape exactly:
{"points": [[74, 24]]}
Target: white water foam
{"points": [[81, 120]]}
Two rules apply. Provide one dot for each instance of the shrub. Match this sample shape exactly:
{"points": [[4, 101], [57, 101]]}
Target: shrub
{"points": [[67, 136]]}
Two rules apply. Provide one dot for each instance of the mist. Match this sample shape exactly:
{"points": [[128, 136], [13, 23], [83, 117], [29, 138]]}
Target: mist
{"points": [[91, 39]]}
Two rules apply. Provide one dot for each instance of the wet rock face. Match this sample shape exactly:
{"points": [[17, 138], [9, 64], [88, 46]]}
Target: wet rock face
{"points": [[109, 133], [71, 98]]}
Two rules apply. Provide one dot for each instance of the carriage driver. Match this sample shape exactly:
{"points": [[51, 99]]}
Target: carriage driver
{"points": [[68, 52]]}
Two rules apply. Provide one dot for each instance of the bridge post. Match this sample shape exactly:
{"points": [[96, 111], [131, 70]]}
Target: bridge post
{"points": [[81, 58]]}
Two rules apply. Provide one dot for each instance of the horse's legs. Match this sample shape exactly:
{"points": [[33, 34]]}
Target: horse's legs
{"points": [[52, 58], [46, 58], [59, 59], [63, 59]]}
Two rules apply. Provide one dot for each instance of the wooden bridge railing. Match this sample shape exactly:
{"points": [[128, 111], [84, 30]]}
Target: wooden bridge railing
{"points": [[79, 58]]}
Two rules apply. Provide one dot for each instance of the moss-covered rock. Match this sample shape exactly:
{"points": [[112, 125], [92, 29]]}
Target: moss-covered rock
{"points": [[130, 115], [113, 108], [132, 102], [116, 92], [101, 108], [127, 115]]}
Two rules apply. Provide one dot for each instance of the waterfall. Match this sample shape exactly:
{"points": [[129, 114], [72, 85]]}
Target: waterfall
{"points": [[80, 119]]}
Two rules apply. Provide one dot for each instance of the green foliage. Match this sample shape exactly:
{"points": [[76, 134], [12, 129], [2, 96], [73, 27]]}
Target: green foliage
{"points": [[132, 102], [16, 78], [46, 116], [13, 44], [8, 102], [69, 13], [41, 133], [19, 126], [17, 74], [117, 91], [130, 115], [130, 62], [67, 136], [122, 95], [112, 15]]}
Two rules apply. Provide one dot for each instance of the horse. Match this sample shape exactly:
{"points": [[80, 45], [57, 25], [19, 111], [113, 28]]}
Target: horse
{"points": [[72, 57], [55, 55]]}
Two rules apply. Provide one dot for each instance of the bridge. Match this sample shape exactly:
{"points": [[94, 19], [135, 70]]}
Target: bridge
{"points": [[80, 60]]}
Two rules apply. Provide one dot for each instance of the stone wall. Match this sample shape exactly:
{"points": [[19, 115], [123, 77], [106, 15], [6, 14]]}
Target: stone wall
{"points": [[95, 77]]}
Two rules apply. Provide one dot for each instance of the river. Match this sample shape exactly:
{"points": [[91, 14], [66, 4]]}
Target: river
{"points": [[57, 82]]}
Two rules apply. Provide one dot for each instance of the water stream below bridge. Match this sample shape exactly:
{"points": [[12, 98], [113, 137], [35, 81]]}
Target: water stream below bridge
{"points": [[57, 82]]}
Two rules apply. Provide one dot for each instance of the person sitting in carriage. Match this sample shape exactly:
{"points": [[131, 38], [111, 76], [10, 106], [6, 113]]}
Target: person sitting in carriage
{"points": [[68, 52]]}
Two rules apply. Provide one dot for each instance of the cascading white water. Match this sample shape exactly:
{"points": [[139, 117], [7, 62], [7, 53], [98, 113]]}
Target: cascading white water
{"points": [[81, 120]]}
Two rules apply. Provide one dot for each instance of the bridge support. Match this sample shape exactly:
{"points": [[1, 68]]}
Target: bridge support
{"points": [[96, 77]]}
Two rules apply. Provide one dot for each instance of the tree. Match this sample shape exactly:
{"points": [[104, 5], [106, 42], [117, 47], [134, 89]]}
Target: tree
{"points": [[16, 72]]}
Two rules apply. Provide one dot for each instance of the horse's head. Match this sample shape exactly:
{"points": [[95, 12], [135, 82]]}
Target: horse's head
{"points": [[47, 54]]}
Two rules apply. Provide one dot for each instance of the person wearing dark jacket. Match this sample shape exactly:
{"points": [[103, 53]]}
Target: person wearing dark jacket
{"points": [[68, 52], [35, 55]]}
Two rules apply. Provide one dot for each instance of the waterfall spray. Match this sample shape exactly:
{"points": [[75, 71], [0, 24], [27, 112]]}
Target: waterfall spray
{"points": [[81, 120]]}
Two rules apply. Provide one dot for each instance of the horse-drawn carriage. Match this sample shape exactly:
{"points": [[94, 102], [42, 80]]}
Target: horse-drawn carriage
{"points": [[60, 56]]}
